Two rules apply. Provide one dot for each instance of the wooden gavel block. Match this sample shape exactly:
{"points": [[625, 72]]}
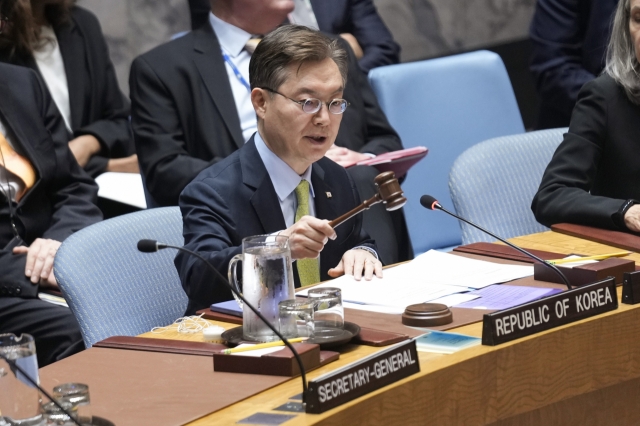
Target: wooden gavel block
{"points": [[389, 192]]}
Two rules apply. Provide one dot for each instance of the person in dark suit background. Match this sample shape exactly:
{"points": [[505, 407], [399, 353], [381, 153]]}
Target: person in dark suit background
{"points": [[569, 40], [357, 21], [81, 79], [260, 188], [190, 110], [594, 176], [34, 220]]}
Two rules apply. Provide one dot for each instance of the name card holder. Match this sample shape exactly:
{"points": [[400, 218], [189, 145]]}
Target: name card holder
{"points": [[631, 288], [550, 312], [362, 377]]}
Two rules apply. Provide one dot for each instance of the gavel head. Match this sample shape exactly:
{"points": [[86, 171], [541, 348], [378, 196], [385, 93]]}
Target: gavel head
{"points": [[389, 191]]}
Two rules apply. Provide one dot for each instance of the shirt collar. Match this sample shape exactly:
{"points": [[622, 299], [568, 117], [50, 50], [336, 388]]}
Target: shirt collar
{"points": [[232, 39], [284, 178]]}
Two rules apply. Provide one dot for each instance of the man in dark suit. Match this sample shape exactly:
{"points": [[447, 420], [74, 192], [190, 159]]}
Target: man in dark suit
{"points": [[357, 21], [569, 39], [262, 187], [190, 109], [37, 213]]}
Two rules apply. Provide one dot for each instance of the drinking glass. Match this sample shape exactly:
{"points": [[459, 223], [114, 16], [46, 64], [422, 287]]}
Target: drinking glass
{"points": [[328, 315], [19, 399], [296, 318], [76, 394]]}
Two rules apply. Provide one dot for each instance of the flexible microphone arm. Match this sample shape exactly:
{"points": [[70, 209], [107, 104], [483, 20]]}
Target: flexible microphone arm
{"points": [[431, 203], [14, 365], [150, 246]]}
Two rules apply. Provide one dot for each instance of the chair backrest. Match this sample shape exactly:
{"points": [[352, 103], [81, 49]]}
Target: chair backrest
{"points": [[110, 286], [493, 183], [446, 104]]}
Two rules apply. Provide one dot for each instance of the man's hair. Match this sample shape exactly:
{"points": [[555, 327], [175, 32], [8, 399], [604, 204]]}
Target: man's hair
{"points": [[622, 63], [292, 44]]}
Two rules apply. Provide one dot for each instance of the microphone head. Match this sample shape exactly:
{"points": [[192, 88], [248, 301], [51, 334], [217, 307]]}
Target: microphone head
{"points": [[429, 202], [148, 246]]}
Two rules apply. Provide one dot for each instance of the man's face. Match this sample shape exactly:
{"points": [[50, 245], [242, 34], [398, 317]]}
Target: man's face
{"points": [[298, 138], [263, 16], [634, 26]]}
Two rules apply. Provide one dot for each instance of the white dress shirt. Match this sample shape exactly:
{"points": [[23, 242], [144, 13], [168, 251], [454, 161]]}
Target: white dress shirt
{"points": [[51, 66], [232, 40], [285, 180]]}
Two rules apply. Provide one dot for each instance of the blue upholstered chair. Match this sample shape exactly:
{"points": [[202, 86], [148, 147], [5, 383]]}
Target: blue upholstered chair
{"points": [[493, 183], [110, 286], [446, 104]]}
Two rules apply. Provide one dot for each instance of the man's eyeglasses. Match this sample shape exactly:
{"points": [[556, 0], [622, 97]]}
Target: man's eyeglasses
{"points": [[312, 105]]}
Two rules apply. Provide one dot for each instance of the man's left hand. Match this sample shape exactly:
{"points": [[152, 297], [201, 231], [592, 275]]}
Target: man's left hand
{"points": [[83, 148], [39, 266], [354, 262], [344, 156]]}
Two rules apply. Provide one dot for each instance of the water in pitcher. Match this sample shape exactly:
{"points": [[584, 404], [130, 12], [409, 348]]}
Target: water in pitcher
{"points": [[19, 399], [267, 280]]}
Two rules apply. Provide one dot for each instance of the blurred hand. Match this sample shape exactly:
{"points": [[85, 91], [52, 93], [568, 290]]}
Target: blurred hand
{"points": [[355, 46], [124, 165], [308, 236], [40, 255], [344, 156], [354, 262], [83, 148], [632, 218]]}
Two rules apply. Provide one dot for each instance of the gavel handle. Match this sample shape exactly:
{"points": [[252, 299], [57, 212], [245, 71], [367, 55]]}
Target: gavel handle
{"points": [[362, 207]]}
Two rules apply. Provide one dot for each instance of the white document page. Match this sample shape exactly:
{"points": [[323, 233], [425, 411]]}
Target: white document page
{"points": [[430, 276], [125, 188]]}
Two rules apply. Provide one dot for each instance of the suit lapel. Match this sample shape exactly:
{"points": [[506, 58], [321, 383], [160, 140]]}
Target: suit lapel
{"points": [[264, 200], [72, 49], [324, 201], [9, 118], [208, 60]]}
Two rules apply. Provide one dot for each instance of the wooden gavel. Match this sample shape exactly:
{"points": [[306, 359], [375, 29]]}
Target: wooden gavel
{"points": [[389, 192]]}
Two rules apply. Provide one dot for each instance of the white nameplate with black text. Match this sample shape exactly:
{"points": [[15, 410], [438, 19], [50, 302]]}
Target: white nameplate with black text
{"points": [[361, 377], [550, 312]]}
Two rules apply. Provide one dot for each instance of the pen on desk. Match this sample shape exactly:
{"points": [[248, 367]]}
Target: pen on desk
{"points": [[596, 257], [262, 346]]}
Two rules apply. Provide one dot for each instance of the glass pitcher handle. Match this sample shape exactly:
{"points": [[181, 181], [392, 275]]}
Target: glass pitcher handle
{"points": [[233, 277]]}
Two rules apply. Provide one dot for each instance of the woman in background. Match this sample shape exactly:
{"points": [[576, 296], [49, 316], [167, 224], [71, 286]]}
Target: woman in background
{"points": [[594, 176], [64, 44]]}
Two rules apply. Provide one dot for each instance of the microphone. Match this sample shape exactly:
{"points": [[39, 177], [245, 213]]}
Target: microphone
{"points": [[431, 203], [151, 246], [14, 366]]}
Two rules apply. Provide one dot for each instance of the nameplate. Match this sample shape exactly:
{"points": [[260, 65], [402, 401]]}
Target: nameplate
{"points": [[550, 312], [362, 377]]}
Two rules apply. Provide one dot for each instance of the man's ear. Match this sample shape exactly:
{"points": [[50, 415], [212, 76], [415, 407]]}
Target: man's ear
{"points": [[259, 101]]}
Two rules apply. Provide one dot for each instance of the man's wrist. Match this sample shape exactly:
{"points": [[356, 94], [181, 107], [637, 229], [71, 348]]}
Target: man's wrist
{"points": [[618, 217], [366, 248]]}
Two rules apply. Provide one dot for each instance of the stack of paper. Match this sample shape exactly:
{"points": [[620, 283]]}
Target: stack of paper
{"points": [[430, 276], [445, 343]]}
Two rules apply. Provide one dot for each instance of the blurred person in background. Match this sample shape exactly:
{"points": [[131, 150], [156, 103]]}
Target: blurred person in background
{"points": [[594, 176], [569, 40], [64, 44]]}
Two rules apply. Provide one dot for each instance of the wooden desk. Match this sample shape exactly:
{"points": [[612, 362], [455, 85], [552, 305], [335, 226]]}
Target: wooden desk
{"points": [[586, 373]]}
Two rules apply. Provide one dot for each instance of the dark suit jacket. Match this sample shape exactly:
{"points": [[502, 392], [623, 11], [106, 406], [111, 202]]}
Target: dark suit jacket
{"points": [[357, 17], [98, 107], [184, 116], [569, 39], [234, 199], [63, 198], [597, 166]]}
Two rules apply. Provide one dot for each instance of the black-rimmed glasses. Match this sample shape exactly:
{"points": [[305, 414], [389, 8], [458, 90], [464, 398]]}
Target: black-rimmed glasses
{"points": [[313, 105]]}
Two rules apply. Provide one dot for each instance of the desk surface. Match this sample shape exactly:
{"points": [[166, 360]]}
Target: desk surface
{"points": [[586, 373]]}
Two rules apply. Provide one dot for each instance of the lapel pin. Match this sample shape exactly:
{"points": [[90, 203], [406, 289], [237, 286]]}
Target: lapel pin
{"points": [[329, 194]]}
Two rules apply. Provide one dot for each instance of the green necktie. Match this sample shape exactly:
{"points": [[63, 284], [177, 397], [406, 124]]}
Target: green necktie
{"points": [[308, 269]]}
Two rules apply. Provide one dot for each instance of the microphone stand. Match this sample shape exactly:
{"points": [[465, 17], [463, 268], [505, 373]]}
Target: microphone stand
{"points": [[147, 246], [436, 205]]}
